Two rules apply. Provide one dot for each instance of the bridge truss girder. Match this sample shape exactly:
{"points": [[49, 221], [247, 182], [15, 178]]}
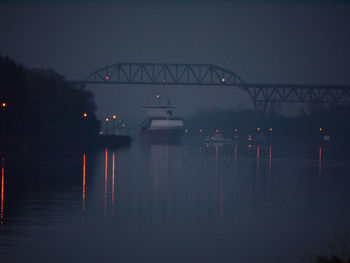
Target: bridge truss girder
{"points": [[331, 94], [164, 74]]}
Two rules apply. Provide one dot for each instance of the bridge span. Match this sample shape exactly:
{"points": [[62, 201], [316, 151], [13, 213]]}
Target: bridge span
{"points": [[212, 75]]}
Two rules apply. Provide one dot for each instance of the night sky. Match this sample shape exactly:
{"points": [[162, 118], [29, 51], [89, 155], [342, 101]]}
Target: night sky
{"points": [[263, 42]]}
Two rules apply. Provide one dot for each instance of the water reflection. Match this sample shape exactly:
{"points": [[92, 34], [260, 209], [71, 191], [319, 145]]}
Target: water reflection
{"points": [[168, 204], [106, 177], [258, 159], [319, 160], [270, 158], [113, 176], [84, 170], [2, 189]]}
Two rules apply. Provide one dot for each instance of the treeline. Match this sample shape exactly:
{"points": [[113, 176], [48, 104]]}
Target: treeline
{"points": [[309, 125], [38, 107]]}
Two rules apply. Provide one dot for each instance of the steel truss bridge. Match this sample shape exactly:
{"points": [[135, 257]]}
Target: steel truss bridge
{"points": [[212, 75]]}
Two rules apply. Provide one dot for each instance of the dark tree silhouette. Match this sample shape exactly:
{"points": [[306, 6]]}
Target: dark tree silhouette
{"points": [[42, 108]]}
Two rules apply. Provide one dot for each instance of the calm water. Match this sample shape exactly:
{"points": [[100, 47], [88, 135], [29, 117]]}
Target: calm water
{"points": [[187, 203]]}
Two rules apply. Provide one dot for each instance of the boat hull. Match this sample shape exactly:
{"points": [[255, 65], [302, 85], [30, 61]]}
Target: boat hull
{"points": [[162, 136]]}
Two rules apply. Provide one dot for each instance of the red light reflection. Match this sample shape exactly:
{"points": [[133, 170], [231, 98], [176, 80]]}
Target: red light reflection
{"points": [[257, 159], [217, 160], [270, 155]]}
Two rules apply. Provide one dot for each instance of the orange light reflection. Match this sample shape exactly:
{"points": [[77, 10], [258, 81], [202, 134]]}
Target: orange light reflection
{"points": [[106, 163], [2, 189], [113, 176], [320, 161], [84, 194]]}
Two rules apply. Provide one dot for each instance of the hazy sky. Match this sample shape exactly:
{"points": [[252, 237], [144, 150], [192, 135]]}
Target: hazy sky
{"points": [[268, 42]]}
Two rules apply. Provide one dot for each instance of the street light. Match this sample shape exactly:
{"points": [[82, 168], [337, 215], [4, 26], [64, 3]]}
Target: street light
{"points": [[107, 120], [85, 115], [3, 104]]}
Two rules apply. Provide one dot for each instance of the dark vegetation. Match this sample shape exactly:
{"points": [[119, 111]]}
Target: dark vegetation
{"points": [[39, 108], [333, 121]]}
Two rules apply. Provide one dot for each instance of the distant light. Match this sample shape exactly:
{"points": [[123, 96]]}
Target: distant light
{"points": [[85, 115], [236, 130], [107, 119], [258, 129], [223, 80], [100, 133], [3, 104], [107, 77], [270, 129], [123, 125], [217, 130], [249, 146], [164, 80], [321, 129], [200, 130], [249, 138], [186, 130], [114, 116], [158, 96]]}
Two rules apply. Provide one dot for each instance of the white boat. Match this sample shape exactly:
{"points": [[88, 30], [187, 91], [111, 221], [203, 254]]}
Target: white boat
{"points": [[161, 126]]}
